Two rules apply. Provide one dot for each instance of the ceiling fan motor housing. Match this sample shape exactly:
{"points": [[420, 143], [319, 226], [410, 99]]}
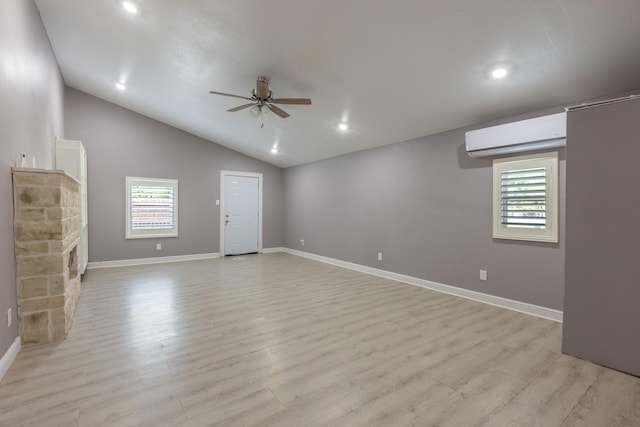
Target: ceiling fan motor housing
{"points": [[262, 88]]}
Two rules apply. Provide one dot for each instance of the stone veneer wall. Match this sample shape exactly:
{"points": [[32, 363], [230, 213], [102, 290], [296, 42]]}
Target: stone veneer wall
{"points": [[47, 231]]}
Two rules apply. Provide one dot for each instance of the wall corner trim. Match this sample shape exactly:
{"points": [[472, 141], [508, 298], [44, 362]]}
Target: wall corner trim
{"points": [[148, 261], [521, 307], [9, 357]]}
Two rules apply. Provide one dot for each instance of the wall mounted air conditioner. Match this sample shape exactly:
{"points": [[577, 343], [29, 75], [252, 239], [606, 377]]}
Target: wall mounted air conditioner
{"points": [[527, 135]]}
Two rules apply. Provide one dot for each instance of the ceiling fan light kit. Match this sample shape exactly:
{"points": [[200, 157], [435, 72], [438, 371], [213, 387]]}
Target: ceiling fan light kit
{"points": [[259, 113], [262, 98]]}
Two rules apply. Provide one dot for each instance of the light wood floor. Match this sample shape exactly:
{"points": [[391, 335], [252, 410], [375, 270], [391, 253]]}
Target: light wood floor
{"points": [[278, 340]]}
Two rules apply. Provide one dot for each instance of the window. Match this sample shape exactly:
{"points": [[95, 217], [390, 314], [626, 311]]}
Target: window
{"points": [[525, 197], [152, 208]]}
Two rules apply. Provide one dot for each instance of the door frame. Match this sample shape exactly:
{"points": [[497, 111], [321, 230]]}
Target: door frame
{"points": [[223, 176]]}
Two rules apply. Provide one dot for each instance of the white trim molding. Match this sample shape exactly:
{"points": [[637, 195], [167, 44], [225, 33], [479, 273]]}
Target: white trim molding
{"points": [[223, 175], [147, 261], [522, 307], [273, 250], [9, 357]]}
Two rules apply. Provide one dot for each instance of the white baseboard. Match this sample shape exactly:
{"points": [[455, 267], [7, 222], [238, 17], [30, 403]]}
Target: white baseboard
{"points": [[164, 259], [522, 307], [9, 357], [146, 261], [272, 250]]}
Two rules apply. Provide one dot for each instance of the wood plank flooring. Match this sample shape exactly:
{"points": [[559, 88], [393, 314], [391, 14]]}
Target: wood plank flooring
{"points": [[278, 340]]}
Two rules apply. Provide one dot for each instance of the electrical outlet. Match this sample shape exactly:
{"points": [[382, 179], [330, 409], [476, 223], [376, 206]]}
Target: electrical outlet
{"points": [[158, 246], [379, 256], [9, 318], [483, 274], [301, 242]]}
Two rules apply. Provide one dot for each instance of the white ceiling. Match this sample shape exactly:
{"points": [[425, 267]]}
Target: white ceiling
{"points": [[394, 70]]}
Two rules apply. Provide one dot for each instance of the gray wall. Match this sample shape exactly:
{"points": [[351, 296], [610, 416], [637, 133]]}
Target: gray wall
{"points": [[602, 282], [122, 143], [427, 206], [31, 115]]}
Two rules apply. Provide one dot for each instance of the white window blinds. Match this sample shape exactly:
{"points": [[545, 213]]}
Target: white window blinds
{"points": [[525, 197], [152, 207]]}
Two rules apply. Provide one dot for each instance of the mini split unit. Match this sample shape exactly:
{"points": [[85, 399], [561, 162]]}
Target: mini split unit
{"points": [[527, 135]]}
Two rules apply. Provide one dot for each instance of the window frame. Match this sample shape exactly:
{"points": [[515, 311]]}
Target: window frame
{"points": [[131, 181], [548, 160]]}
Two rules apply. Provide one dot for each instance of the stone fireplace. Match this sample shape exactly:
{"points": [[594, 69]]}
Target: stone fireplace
{"points": [[47, 232]]}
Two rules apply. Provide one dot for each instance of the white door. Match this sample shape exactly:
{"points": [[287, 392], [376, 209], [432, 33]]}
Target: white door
{"points": [[240, 214]]}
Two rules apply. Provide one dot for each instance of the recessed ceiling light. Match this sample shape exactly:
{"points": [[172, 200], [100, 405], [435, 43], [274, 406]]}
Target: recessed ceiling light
{"points": [[499, 72], [130, 7], [343, 127], [274, 150], [121, 86]]}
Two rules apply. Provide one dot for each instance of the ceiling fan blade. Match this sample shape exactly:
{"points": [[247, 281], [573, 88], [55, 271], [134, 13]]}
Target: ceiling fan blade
{"points": [[297, 101], [241, 107], [228, 94], [278, 111]]}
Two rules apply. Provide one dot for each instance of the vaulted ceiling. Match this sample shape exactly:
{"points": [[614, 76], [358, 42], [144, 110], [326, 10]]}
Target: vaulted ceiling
{"points": [[392, 70]]}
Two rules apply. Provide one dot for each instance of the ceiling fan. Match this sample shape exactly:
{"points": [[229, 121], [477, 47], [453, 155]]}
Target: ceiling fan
{"points": [[261, 97]]}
